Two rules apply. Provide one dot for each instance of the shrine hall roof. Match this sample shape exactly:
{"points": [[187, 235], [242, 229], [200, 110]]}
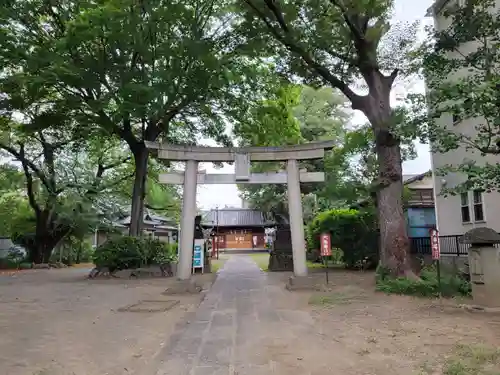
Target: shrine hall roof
{"points": [[235, 217]]}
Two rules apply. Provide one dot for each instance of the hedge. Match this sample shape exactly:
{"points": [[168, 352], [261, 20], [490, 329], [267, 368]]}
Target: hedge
{"points": [[352, 231], [124, 252]]}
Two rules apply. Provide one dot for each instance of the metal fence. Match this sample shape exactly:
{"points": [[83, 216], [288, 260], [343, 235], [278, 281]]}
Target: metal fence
{"points": [[450, 245]]}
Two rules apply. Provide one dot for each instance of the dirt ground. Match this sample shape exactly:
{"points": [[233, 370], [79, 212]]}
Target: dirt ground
{"points": [[367, 332], [55, 322]]}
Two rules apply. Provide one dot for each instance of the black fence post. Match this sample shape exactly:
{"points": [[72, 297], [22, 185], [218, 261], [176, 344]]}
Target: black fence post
{"points": [[457, 245]]}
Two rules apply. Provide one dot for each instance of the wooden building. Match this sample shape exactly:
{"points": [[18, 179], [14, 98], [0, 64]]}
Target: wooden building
{"points": [[237, 228], [420, 211], [420, 207]]}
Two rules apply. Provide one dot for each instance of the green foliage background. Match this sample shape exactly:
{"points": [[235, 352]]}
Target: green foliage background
{"points": [[352, 231]]}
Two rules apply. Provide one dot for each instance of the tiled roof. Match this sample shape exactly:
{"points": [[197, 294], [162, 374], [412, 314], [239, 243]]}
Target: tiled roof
{"points": [[409, 178], [234, 217], [149, 219]]}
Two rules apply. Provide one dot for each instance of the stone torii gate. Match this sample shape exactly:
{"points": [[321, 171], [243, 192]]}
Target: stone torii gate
{"points": [[242, 156]]}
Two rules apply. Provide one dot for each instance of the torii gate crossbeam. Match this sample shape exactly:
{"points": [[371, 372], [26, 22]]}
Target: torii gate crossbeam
{"points": [[242, 156]]}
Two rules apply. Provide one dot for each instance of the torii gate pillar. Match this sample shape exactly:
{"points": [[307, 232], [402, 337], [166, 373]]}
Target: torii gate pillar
{"points": [[187, 220], [192, 155], [296, 219]]}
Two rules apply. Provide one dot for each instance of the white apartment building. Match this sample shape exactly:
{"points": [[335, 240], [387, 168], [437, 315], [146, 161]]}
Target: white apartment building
{"points": [[457, 214]]}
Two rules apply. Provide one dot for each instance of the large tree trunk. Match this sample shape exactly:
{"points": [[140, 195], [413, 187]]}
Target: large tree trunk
{"points": [[394, 242], [141, 155], [41, 244]]}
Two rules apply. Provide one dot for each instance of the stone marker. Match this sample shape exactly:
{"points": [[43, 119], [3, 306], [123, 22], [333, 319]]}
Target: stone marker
{"points": [[484, 266], [281, 257]]}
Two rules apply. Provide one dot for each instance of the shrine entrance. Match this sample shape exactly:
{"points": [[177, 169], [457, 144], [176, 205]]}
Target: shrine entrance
{"points": [[242, 157]]}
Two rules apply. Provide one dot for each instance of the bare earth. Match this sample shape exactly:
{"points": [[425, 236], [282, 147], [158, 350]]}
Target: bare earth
{"points": [[362, 332], [57, 323]]}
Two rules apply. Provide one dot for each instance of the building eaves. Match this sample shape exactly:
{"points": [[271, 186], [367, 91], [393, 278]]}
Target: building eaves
{"points": [[436, 8]]}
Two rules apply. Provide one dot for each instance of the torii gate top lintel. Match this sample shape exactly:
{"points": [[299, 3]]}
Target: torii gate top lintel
{"points": [[313, 150]]}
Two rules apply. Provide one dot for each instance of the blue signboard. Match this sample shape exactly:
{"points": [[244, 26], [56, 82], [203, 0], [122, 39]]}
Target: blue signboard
{"points": [[197, 256]]}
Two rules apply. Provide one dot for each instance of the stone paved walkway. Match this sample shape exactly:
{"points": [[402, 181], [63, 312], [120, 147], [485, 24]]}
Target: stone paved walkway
{"points": [[234, 326]]}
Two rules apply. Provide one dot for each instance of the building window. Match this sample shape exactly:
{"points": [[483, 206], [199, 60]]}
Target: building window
{"points": [[464, 197], [478, 205]]}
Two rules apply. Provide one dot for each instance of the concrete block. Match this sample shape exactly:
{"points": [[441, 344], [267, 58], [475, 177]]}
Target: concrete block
{"points": [[183, 287], [301, 283]]}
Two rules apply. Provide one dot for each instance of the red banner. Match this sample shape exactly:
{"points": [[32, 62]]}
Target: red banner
{"points": [[326, 245], [436, 250]]}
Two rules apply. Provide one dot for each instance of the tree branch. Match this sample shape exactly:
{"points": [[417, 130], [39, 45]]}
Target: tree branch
{"points": [[355, 31], [392, 77], [294, 47], [114, 165], [153, 130], [22, 158], [48, 160], [29, 186]]}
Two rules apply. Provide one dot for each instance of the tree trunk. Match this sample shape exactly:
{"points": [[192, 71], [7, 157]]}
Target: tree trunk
{"points": [[141, 155], [41, 244], [79, 254], [39, 250], [394, 242]]}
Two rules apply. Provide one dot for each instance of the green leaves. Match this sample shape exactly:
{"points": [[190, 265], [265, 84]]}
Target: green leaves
{"points": [[462, 73], [317, 115], [272, 122]]}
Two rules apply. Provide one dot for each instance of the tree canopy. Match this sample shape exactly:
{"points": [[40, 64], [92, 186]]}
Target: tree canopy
{"points": [[137, 70]]}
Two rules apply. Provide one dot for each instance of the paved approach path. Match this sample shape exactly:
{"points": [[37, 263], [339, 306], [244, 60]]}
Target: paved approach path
{"points": [[238, 330]]}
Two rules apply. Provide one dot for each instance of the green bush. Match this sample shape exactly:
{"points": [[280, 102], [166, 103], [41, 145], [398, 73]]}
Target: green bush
{"points": [[73, 250], [428, 286], [353, 232], [124, 252]]}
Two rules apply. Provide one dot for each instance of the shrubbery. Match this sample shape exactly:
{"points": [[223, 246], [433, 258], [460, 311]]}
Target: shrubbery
{"points": [[123, 252], [428, 286], [73, 251], [353, 232]]}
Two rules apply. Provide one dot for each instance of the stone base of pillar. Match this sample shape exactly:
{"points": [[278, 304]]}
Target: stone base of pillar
{"points": [[183, 287], [302, 283]]}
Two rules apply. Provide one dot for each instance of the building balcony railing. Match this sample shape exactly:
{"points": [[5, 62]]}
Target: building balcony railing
{"points": [[421, 198]]}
